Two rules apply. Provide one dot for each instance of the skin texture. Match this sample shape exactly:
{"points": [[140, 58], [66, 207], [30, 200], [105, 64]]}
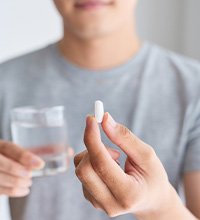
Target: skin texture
{"points": [[16, 165], [15, 169], [192, 191], [95, 23], [141, 188], [90, 36]]}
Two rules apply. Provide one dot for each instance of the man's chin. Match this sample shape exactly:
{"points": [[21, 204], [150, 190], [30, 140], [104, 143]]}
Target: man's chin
{"points": [[90, 33]]}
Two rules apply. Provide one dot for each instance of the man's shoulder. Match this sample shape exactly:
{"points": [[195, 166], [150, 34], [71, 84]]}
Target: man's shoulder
{"points": [[180, 65], [23, 63], [173, 73]]}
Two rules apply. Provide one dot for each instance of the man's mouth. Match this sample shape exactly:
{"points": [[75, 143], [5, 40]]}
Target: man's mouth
{"points": [[92, 4]]}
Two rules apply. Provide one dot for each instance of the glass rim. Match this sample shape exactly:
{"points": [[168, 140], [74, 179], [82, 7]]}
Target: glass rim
{"points": [[36, 109]]}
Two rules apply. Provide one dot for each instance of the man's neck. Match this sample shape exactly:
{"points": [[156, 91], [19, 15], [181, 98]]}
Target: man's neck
{"points": [[103, 53]]}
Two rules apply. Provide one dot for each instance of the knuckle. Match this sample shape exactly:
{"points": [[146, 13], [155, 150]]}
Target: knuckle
{"points": [[124, 131], [95, 205], [79, 157], [125, 204], [86, 196], [80, 173], [111, 213], [76, 160], [99, 167], [93, 202], [83, 170], [149, 153]]}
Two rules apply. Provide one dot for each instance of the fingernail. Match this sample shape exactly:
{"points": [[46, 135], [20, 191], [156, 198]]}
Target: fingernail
{"points": [[116, 152], [70, 152], [37, 162], [33, 160], [89, 120], [111, 121]]}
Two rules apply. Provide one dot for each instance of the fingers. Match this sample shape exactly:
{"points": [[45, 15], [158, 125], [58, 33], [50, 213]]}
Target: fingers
{"points": [[113, 153], [91, 199], [70, 152], [13, 168], [135, 148], [106, 168], [14, 192], [88, 177], [112, 210], [105, 184], [95, 187], [79, 157], [92, 139], [7, 180], [15, 179], [20, 155]]}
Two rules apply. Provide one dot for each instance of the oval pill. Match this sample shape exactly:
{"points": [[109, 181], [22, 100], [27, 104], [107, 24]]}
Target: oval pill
{"points": [[99, 111]]}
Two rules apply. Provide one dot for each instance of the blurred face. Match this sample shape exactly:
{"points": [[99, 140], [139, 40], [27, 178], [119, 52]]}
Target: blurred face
{"points": [[95, 18]]}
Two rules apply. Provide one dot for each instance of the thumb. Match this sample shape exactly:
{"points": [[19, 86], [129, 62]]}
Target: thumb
{"points": [[120, 135], [100, 156]]}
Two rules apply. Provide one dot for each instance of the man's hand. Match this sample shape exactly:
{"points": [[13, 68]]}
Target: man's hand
{"points": [[142, 188], [15, 169]]}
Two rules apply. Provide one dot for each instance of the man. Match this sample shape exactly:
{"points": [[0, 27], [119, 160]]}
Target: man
{"points": [[155, 93]]}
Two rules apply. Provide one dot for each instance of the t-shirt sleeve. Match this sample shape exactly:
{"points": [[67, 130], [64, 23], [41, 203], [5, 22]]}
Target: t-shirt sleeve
{"points": [[192, 153]]}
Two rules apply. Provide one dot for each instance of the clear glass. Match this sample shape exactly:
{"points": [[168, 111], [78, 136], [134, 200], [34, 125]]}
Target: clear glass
{"points": [[42, 131]]}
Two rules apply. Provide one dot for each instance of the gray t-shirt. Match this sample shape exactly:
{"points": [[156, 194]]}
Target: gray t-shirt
{"points": [[156, 94]]}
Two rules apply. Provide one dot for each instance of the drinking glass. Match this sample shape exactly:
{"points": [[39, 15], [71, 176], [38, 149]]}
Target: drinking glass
{"points": [[43, 131]]}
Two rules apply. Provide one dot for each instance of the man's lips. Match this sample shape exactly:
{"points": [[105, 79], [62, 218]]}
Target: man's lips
{"points": [[91, 4]]}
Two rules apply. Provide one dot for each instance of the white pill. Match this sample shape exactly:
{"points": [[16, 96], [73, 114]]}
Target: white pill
{"points": [[99, 111]]}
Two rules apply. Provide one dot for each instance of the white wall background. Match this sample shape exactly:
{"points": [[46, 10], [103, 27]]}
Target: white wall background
{"points": [[28, 25], [174, 24]]}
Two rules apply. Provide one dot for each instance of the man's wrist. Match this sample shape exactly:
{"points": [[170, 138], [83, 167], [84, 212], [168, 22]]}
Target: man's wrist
{"points": [[171, 209]]}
